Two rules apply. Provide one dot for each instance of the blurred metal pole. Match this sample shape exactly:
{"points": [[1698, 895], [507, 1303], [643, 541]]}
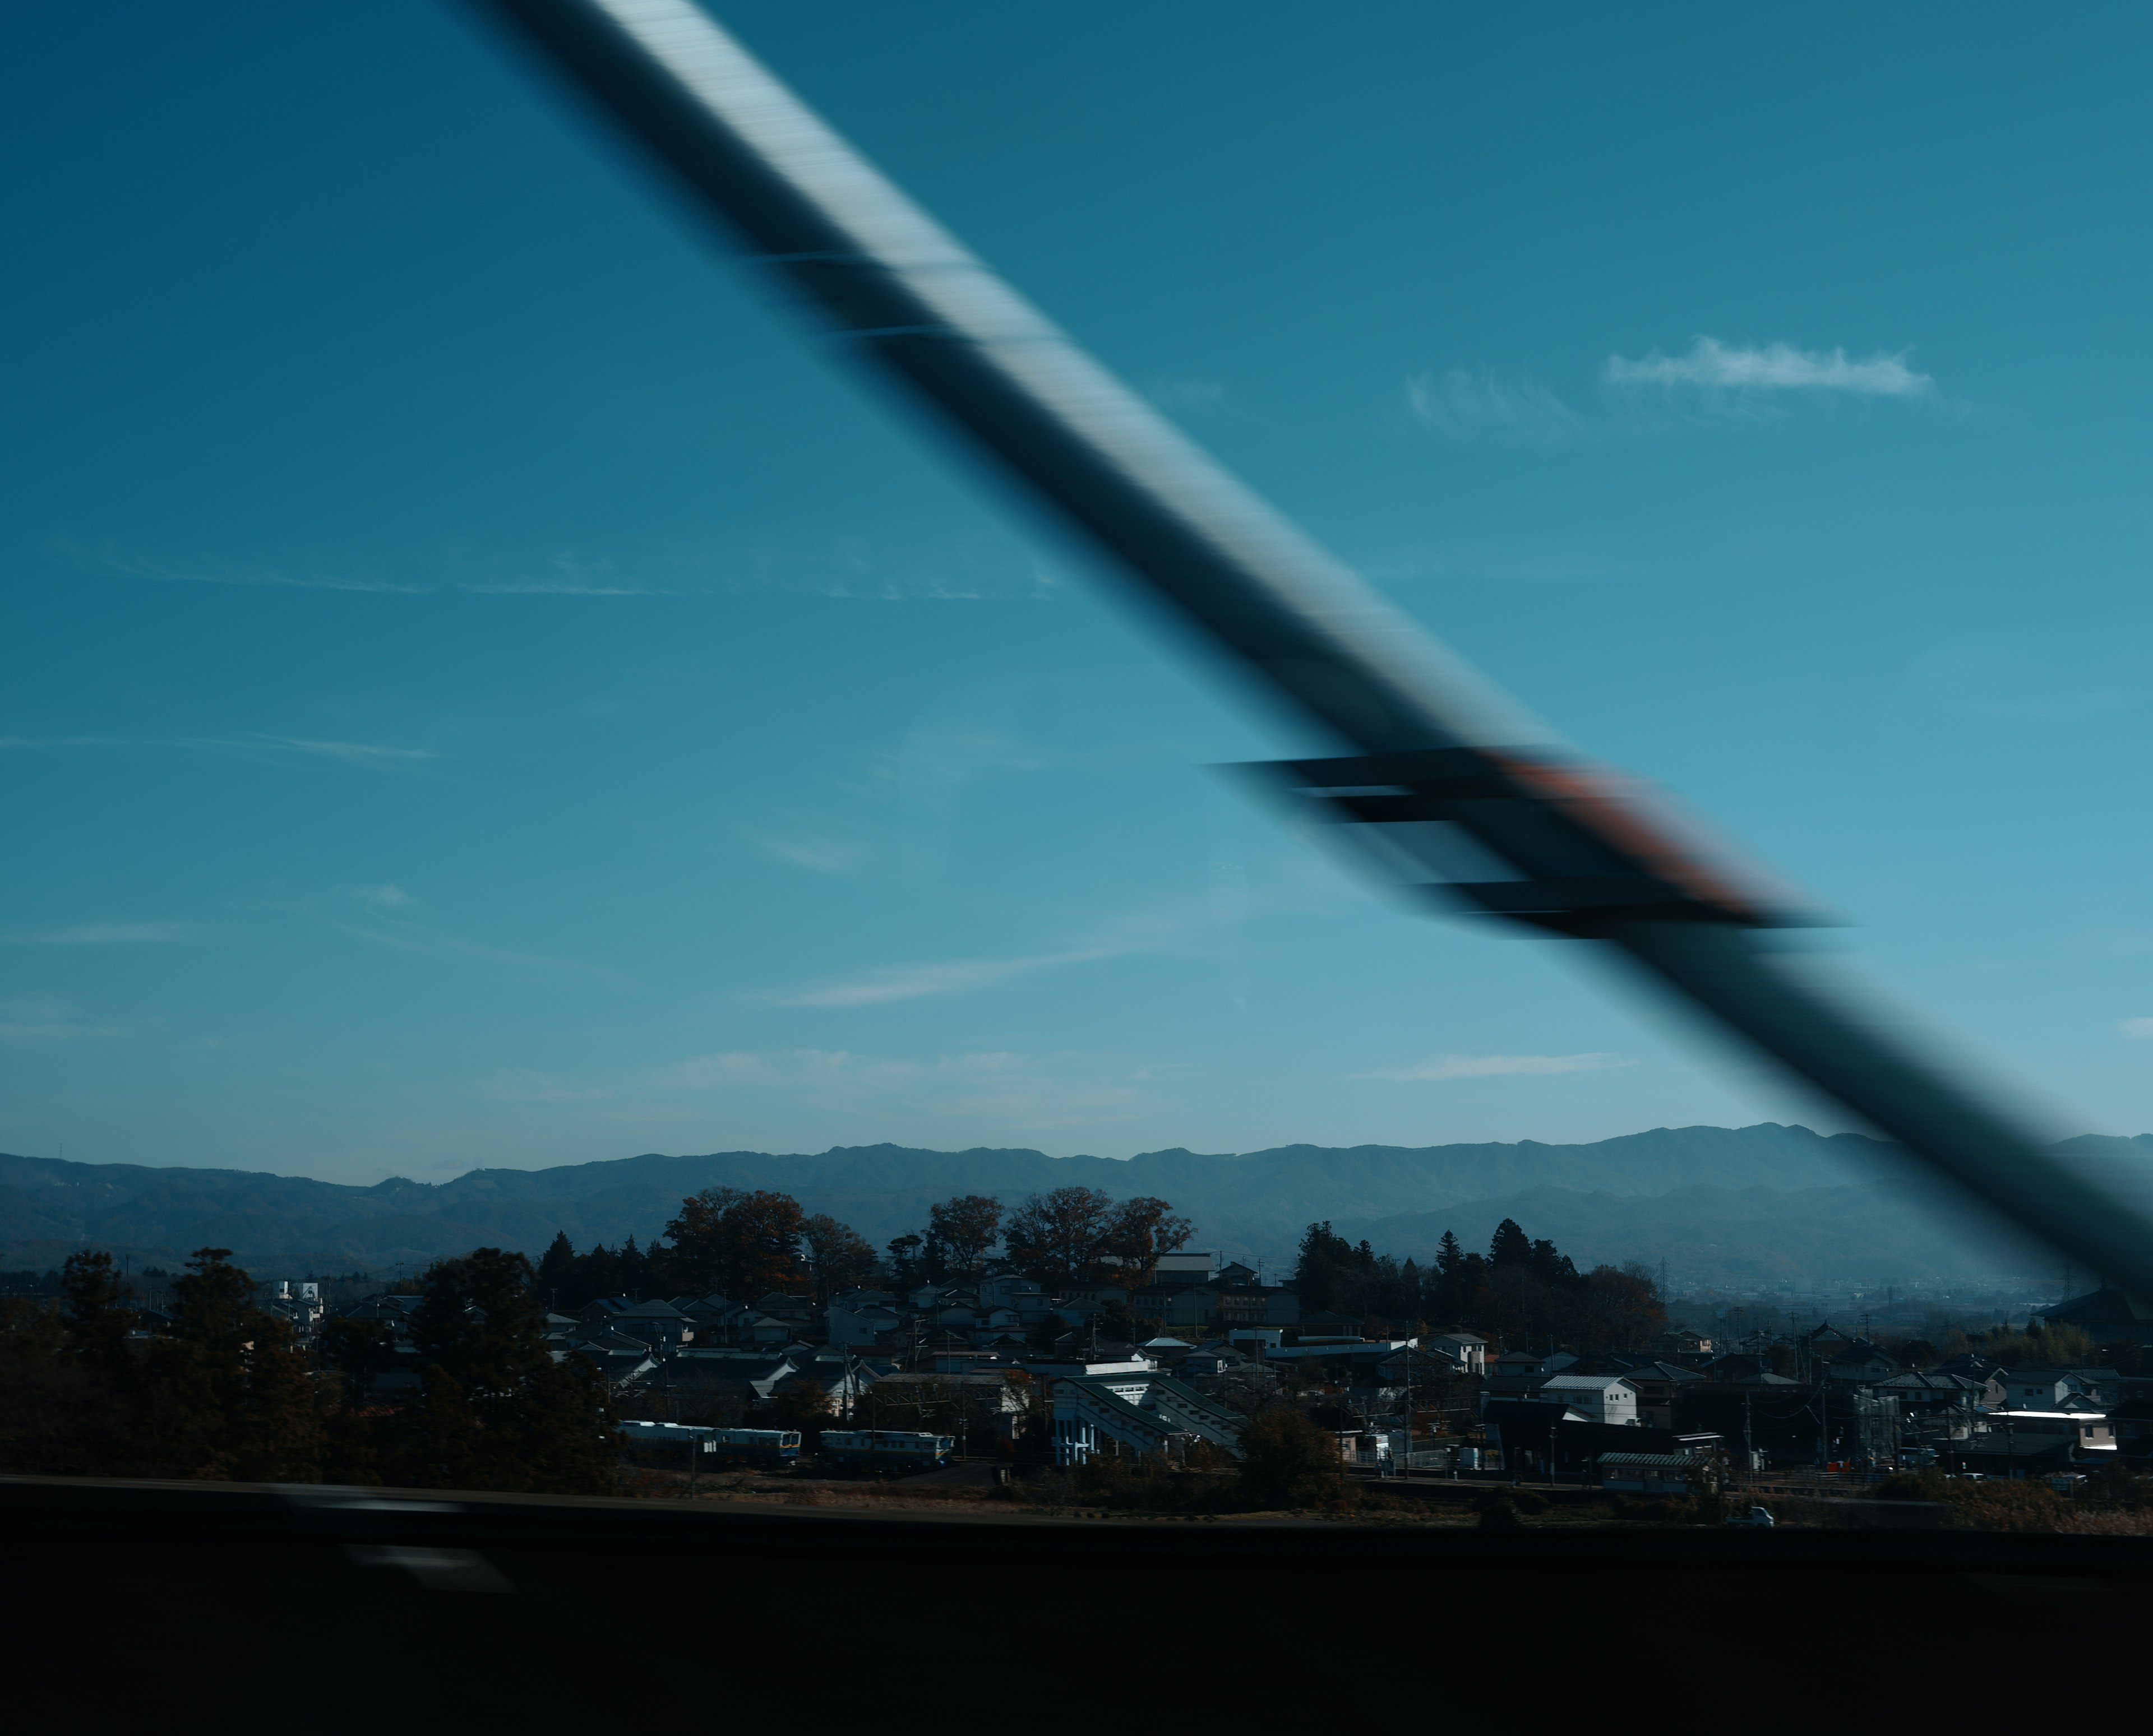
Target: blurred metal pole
{"points": [[1589, 855]]}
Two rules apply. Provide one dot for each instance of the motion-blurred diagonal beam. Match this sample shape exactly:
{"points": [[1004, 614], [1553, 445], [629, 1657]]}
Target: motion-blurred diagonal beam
{"points": [[1426, 744]]}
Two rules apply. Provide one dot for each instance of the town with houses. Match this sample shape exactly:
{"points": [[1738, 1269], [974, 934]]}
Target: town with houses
{"points": [[999, 1369]]}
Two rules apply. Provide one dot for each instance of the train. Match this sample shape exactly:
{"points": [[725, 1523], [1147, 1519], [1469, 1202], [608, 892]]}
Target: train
{"points": [[887, 1448], [752, 1446]]}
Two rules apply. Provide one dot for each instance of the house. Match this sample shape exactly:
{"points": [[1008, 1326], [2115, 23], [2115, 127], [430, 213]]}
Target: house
{"points": [[1676, 1473], [1681, 1341], [1600, 1397], [2108, 1314], [716, 1319], [1190, 1268], [1927, 1395], [654, 1322], [858, 1323], [1535, 1361], [746, 1374], [1250, 1304], [1207, 1361], [623, 1361], [2042, 1388], [1861, 1363], [1654, 1383], [1525, 1430], [1326, 1327], [1469, 1350]]}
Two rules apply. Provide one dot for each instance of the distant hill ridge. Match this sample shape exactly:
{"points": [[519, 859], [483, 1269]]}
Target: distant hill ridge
{"points": [[1721, 1195]]}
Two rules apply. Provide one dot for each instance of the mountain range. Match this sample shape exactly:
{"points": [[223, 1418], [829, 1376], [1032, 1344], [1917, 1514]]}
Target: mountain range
{"points": [[1766, 1204]]}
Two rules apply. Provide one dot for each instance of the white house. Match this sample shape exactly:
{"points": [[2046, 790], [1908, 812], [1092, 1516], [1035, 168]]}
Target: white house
{"points": [[1469, 1350], [2041, 1388], [1602, 1398]]}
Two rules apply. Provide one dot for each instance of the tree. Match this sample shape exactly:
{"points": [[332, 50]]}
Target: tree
{"points": [[1449, 1257], [498, 1411], [1287, 1461], [1144, 1228], [838, 1256], [57, 1416], [360, 1351], [231, 1395], [94, 1304], [1509, 1246], [907, 1261], [1077, 1234], [557, 1270], [1622, 1308], [738, 1245], [959, 1232], [1326, 1258]]}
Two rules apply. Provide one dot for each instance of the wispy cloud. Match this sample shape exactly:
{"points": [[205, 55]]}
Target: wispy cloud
{"points": [[1712, 366], [1471, 1067], [1713, 383], [366, 913], [1187, 394], [372, 756], [1484, 405], [519, 1085], [819, 853], [958, 976], [104, 934], [38, 1018], [2136, 1028], [843, 566], [1010, 1090]]}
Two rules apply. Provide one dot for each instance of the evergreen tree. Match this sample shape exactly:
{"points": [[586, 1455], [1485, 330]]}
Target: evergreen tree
{"points": [[498, 1411], [557, 1269], [230, 1393], [1509, 1246], [908, 1261]]}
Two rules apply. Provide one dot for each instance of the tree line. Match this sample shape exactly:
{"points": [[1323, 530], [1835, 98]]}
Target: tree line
{"points": [[226, 1392], [744, 1245], [1521, 1291]]}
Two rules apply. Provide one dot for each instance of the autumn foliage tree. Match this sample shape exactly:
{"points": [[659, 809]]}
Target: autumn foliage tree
{"points": [[960, 1234], [1079, 1235], [735, 1244]]}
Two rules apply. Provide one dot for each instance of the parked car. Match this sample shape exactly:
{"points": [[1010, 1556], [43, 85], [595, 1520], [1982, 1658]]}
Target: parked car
{"points": [[1755, 1516]]}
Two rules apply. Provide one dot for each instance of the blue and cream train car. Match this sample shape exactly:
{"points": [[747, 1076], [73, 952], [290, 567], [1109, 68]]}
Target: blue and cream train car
{"points": [[887, 1448]]}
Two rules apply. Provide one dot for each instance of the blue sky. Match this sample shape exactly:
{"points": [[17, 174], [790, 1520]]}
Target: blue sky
{"points": [[482, 686]]}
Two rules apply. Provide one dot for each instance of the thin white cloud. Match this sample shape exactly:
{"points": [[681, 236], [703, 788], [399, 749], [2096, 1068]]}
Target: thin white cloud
{"points": [[103, 934], [1010, 1090], [1469, 406], [2136, 1028], [1187, 394], [843, 566], [1469, 1067], [818, 855], [518, 1084], [372, 923], [38, 1018], [958, 976], [373, 756], [370, 755], [1712, 366]]}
